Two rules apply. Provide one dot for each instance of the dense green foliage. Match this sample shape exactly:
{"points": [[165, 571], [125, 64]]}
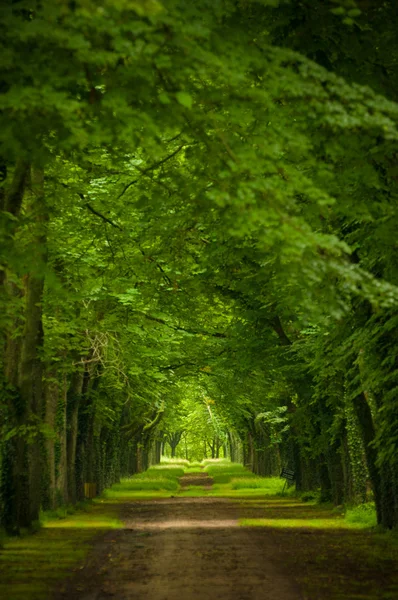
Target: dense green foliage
{"points": [[198, 244]]}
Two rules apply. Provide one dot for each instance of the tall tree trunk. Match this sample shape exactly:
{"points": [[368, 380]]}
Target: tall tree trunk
{"points": [[30, 367], [25, 477], [335, 467], [186, 448], [367, 429], [297, 465], [231, 446], [85, 448], [51, 399], [74, 396], [11, 202], [140, 458], [158, 451], [55, 464], [324, 478], [14, 477], [61, 468]]}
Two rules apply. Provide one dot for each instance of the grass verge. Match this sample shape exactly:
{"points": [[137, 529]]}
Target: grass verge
{"points": [[332, 555], [31, 566]]}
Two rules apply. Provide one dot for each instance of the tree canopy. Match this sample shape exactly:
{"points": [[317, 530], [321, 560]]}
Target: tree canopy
{"points": [[198, 204]]}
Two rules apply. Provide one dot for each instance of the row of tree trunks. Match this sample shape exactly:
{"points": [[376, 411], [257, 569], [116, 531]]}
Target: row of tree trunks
{"points": [[23, 369], [215, 446]]}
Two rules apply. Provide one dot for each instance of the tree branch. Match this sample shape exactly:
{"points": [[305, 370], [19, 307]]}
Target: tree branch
{"points": [[150, 168], [215, 334], [98, 214], [278, 328]]}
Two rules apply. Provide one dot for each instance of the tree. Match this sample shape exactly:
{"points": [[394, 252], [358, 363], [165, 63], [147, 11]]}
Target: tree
{"points": [[197, 201]]}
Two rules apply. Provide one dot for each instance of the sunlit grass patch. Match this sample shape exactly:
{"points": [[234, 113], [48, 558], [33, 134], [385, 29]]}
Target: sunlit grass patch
{"points": [[363, 515], [224, 467], [174, 461], [224, 472], [121, 495], [327, 523], [156, 479], [140, 484], [291, 513], [169, 471], [215, 461], [241, 482], [269, 485], [190, 470], [96, 520], [63, 512], [195, 465], [228, 476], [31, 566]]}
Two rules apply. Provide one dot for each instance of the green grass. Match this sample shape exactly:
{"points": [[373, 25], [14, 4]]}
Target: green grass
{"points": [[32, 565], [327, 555], [268, 485], [195, 465], [224, 472], [63, 512], [121, 495], [161, 478], [363, 515], [224, 467], [290, 513], [331, 523], [169, 472], [174, 461], [195, 470], [241, 478], [156, 479], [96, 520], [215, 461], [146, 484], [227, 477]]}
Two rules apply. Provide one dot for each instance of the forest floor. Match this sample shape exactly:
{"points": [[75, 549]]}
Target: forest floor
{"points": [[195, 546]]}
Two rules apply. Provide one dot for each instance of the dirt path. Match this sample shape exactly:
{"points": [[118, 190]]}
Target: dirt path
{"points": [[183, 549], [201, 479]]}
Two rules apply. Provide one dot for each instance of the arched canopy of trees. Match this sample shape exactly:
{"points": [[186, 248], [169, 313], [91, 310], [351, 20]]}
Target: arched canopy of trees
{"points": [[198, 217]]}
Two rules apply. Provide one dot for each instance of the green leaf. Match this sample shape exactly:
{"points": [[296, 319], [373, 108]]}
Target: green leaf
{"points": [[354, 12], [164, 98], [184, 99], [338, 11]]}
